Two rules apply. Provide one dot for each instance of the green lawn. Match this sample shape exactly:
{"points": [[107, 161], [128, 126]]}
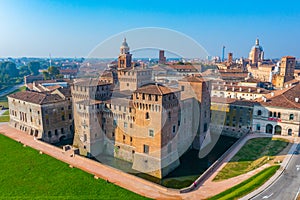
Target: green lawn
{"points": [[5, 116], [26, 174], [255, 153], [248, 185]]}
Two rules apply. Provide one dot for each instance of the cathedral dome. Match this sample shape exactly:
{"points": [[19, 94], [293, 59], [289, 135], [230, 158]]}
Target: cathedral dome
{"points": [[257, 46], [124, 44]]}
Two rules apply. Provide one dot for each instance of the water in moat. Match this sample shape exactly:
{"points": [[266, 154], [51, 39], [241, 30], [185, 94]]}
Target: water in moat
{"points": [[190, 168]]}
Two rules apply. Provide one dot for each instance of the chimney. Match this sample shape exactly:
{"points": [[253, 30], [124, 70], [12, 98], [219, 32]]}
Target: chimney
{"points": [[297, 100], [233, 89], [264, 99], [258, 90], [240, 89], [272, 94], [249, 89], [225, 88]]}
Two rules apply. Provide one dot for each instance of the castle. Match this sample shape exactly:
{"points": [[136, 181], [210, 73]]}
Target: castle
{"points": [[137, 120]]}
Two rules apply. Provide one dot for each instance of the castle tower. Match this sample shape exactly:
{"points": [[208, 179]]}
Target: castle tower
{"points": [[287, 68], [124, 59]]}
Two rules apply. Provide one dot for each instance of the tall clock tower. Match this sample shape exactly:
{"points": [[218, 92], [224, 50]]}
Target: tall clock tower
{"points": [[124, 59]]}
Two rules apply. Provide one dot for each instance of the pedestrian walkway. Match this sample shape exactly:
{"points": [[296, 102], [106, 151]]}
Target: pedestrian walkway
{"points": [[130, 182]]}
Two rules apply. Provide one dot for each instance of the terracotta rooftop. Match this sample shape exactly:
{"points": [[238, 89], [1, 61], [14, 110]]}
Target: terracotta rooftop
{"points": [[36, 97], [90, 82], [192, 79], [284, 99], [233, 101], [155, 89]]}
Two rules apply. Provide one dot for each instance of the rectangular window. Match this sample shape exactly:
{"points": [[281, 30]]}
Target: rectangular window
{"points": [[258, 127], [125, 124], [146, 148], [151, 132], [174, 129]]}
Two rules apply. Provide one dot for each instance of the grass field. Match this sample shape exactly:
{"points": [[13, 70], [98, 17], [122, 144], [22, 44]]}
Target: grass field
{"points": [[26, 174], [5, 116], [255, 153], [248, 185]]}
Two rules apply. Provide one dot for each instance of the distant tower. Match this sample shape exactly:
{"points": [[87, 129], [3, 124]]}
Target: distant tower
{"points": [[162, 58], [50, 60], [223, 53], [287, 67], [124, 59], [257, 53], [230, 55]]}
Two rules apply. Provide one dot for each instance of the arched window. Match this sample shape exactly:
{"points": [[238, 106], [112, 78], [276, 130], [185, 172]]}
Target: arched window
{"points": [[291, 116], [259, 113], [274, 114], [279, 115], [49, 134], [270, 114], [290, 131], [147, 115]]}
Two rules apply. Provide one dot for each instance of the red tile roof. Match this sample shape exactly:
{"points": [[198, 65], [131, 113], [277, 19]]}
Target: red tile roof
{"points": [[36, 97]]}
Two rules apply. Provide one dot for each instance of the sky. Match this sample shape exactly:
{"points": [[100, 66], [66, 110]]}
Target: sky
{"points": [[35, 28]]}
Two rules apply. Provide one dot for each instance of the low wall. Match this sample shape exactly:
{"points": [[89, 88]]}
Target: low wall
{"points": [[214, 166]]}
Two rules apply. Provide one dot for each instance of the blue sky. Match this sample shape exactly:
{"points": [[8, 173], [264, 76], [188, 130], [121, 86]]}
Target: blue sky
{"points": [[74, 28]]}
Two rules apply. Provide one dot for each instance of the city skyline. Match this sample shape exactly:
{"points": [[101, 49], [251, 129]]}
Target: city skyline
{"points": [[64, 29]]}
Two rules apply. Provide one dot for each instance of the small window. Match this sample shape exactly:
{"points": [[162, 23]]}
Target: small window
{"points": [[174, 129], [270, 114], [146, 148], [151, 133], [258, 127], [291, 116], [259, 113], [182, 88], [125, 124], [147, 115]]}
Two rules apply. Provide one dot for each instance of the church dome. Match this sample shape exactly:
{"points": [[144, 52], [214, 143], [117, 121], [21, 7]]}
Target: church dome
{"points": [[124, 44], [257, 46]]}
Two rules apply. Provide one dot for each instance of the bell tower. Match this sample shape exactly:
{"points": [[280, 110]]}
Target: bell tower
{"points": [[124, 59]]}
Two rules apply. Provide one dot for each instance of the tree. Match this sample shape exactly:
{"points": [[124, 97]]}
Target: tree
{"points": [[11, 69], [24, 71], [34, 67], [46, 75], [53, 71]]}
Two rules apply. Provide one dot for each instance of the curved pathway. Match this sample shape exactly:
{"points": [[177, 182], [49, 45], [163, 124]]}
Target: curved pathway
{"points": [[130, 182]]}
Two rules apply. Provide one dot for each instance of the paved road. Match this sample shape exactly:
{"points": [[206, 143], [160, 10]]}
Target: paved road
{"points": [[288, 184], [9, 90]]}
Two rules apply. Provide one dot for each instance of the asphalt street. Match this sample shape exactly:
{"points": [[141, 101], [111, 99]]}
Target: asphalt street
{"points": [[287, 186]]}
